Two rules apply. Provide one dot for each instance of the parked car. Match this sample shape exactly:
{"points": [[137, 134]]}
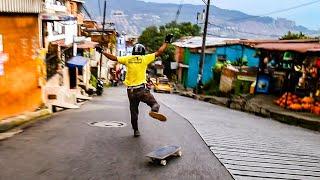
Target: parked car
{"points": [[162, 84]]}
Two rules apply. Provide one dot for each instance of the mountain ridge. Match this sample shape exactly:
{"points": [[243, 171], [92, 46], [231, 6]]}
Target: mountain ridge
{"points": [[137, 15]]}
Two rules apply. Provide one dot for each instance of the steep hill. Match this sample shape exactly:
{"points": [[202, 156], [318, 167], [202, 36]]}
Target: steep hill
{"points": [[133, 16]]}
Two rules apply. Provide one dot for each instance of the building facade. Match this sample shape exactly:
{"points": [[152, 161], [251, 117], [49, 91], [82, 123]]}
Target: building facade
{"points": [[21, 68]]}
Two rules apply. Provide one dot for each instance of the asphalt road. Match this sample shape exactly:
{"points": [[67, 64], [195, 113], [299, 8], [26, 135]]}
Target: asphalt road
{"points": [[66, 147], [252, 147]]}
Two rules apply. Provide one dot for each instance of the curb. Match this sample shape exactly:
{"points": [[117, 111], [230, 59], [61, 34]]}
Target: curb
{"points": [[10, 123], [257, 110], [305, 123]]}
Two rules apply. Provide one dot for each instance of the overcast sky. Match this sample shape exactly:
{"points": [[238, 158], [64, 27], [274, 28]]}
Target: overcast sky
{"points": [[308, 16]]}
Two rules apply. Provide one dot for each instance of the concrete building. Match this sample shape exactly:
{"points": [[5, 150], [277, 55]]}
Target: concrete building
{"points": [[21, 67], [61, 21], [188, 53]]}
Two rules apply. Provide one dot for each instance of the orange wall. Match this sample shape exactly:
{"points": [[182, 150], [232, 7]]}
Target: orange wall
{"points": [[19, 90]]}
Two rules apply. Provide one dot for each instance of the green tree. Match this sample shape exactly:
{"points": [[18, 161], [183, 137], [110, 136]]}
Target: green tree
{"points": [[292, 36], [152, 38]]}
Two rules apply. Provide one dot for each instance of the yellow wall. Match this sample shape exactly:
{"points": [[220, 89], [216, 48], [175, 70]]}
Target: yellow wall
{"points": [[19, 86]]}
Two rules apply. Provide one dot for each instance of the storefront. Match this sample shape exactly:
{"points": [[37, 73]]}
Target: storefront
{"points": [[290, 70]]}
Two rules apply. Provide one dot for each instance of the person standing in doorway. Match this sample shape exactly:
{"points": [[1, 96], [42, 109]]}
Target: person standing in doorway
{"points": [[135, 80]]}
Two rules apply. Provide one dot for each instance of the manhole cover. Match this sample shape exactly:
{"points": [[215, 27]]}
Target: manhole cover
{"points": [[115, 124]]}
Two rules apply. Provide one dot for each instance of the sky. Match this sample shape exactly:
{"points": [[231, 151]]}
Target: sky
{"points": [[307, 16]]}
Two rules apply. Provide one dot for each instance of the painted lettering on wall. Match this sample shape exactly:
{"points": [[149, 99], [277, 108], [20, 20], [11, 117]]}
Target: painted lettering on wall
{"points": [[1, 44]]}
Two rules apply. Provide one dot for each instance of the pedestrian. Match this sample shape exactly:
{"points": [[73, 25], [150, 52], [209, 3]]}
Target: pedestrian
{"points": [[136, 66]]}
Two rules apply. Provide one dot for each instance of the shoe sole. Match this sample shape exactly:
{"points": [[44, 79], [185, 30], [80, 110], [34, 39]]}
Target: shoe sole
{"points": [[158, 116]]}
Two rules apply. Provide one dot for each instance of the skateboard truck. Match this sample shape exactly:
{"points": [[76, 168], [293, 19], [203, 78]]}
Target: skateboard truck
{"points": [[160, 155]]}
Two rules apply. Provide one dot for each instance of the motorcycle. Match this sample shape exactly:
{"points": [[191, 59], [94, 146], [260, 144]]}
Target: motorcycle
{"points": [[100, 86]]}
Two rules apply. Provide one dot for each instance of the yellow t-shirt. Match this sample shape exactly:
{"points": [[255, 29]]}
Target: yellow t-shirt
{"points": [[136, 68]]}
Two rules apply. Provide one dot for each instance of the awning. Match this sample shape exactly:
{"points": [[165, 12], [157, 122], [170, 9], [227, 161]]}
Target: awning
{"points": [[297, 47], [87, 45], [77, 61], [61, 43], [57, 17]]}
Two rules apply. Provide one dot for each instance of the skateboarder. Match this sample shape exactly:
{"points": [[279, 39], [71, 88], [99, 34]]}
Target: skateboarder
{"points": [[136, 80]]}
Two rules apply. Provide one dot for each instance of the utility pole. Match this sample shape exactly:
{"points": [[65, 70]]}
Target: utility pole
{"points": [[102, 34], [202, 57]]}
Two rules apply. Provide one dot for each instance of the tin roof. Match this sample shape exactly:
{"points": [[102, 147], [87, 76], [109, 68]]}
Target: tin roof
{"points": [[297, 47], [21, 6], [79, 1], [196, 42], [253, 42]]}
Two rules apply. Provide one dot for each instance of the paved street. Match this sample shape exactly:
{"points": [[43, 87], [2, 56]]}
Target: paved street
{"points": [[66, 147], [251, 147]]}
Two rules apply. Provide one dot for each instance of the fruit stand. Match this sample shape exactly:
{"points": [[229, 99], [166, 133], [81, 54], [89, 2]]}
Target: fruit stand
{"points": [[295, 103], [291, 71]]}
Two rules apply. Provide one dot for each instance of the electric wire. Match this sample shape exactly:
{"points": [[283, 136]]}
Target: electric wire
{"points": [[277, 11], [205, 2], [263, 15], [99, 4], [86, 11], [179, 10]]}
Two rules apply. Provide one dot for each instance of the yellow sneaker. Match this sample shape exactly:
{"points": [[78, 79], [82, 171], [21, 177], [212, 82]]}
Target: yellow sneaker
{"points": [[157, 116]]}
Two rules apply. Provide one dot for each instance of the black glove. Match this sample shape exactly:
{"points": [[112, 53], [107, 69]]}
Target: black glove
{"points": [[169, 38], [99, 49]]}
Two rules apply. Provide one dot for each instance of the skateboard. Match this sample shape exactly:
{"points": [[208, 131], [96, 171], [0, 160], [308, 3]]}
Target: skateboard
{"points": [[160, 155]]}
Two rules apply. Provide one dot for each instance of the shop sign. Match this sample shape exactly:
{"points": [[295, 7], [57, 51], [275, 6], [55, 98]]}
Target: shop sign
{"points": [[3, 57], [1, 69], [247, 78]]}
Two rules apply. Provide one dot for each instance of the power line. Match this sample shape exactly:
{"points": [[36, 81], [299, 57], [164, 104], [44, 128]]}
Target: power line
{"points": [[99, 3], [179, 10], [204, 2], [277, 11], [87, 12]]}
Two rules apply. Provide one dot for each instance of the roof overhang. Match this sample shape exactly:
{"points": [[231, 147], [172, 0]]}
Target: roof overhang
{"points": [[21, 6], [296, 47]]}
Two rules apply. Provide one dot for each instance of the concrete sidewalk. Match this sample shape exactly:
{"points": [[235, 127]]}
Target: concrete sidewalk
{"points": [[10, 123], [261, 105], [252, 147], [66, 147]]}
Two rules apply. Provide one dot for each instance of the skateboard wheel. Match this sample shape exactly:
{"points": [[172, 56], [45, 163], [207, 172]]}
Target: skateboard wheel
{"points": [[179, 153], [163, 162]]}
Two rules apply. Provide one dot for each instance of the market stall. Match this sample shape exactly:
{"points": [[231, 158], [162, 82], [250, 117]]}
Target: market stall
{"points": [[291, 70]]}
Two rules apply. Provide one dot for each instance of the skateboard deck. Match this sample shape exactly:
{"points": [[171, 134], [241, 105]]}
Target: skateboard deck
{"points": [[162, 153]]}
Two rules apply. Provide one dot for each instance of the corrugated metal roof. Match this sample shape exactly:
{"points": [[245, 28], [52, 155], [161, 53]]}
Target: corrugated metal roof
{"points": [[80, 1], [21, 6], [196, 42], [297, 47], [314, 50], [252, 42]]}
